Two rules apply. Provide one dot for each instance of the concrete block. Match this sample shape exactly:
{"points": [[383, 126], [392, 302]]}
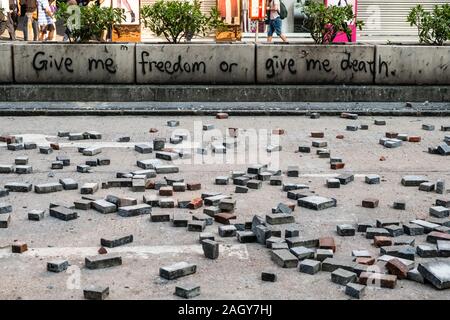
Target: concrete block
{"points": [[443, 248], [195, 63], [63, 213], [437, 272], [177, 270], [246, 236], [279, 218], [210, 248], [18, 187], [5, 220], [6, 66], [355, 290], [316, 202], [136, 210], [160, 217], [187, 291], [104, 206], [57, 266], [36, 215], [74, 63], [227, 231], [343, 277], [68, 184], [96, 293], [116, 242], [345, 230], [284, 258], [411, 65], [268, 276], [309, 266], [413, 181], [89, 188], [103, 261], [310, 64], [180, 219]]}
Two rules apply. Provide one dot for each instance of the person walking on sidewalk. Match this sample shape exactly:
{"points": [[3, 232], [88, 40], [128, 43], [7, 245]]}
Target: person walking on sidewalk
{"points": [[45, 20], [31, 23], [274, 21], [12, 18]]}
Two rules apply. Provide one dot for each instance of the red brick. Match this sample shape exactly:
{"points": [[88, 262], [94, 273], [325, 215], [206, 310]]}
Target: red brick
{"points": [[383, 280], [8, 139], [415, 139], [195, 203], [149, 184], [166, 191], [391, 135], [340, 136], [222, 115], [436, 235], [278, 131], [382, 241], [370, 203], [397, 268], [102, 250], [317, 134], [153, 130], [224, 217], [19, 247], [327, 243], [365, 261], [337, 165], [54, 146], [194, 186]]}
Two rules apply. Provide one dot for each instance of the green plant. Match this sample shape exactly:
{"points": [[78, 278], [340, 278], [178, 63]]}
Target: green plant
{"points": [[178, 19], [433, 27], [325, 23], [88, 23]]}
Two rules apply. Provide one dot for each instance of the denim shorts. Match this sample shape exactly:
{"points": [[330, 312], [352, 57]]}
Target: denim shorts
{"points": [[274, 26]]}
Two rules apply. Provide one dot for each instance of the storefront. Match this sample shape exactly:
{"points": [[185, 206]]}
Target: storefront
{"points": [[384, 19]]}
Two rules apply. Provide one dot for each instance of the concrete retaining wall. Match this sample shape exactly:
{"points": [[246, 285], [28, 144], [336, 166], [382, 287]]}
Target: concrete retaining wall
{"points": [[195, 63], [413, 65], [223, 64], [311, 64], [74, 63], [6, 69]]}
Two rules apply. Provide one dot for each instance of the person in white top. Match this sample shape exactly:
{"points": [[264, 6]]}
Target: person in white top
{"points": [[274, 21]]}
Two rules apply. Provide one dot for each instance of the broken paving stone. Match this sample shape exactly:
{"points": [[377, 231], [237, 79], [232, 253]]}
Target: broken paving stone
{"points": [[291, 232], [166, 203], [304, 149], [96, 293], [414, 275], [224, 217], [15, 146], [112, 243], [292, 171], [5, 208], [403, 240], [345, 230], [322, 254], [196, 225], [254, 184], [143, 148], [89, 188], [36, 215], [68, 184], [436, 272], [63, 213], [372, 179], [397, 268], [382, 241], [275, 219], [135, 210], [352, 128], [262, 233], [104, 206], [179, 186], [103, 261], [327, 243], [346, 178], [241, 189], [302, 253], [187, 291], [24, 169], [442, 229], [203, 217], [355, 290], [333, 183], [307, 242], [210, 248], [399, 205], [370, 203], [177, 270], [309, 266], [268, 276], [227, 231], [279, 246], [5, 220], [284, 258], [206, 236], [378, 279], [23, 160], [394, 230], [443, 248], [159, 217], [211, 211], [316, 203], [19, 247], [372, 232], [227, 205], [343, 277], [6, 168], [92, 151], [439, 212], [82, 168], [413, 181], [428, 226], [246, 237], [362, 226], [57, 266], [427, 251], [180, 219], [169, 156], [4, 192], [403, 251], [319, 144], [440, 187], [427, 186]]}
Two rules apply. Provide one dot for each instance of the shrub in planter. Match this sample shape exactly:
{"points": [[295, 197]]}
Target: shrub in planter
{"points": [[88, 23], [433, 27], [325, 23], [178, 19]]}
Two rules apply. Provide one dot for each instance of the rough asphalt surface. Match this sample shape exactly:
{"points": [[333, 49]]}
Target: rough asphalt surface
{"points": [[237, 272]]}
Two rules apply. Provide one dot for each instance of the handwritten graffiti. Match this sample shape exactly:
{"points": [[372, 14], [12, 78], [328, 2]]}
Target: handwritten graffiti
{"points": [[43, 62], [348, 63], [107, 64], [276, 64], [170, 67]]}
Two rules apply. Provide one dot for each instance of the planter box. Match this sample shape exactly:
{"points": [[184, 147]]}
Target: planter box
{"points": [[315, 64], [398, 65], [74, 63], [6, 71], [195, 63]]}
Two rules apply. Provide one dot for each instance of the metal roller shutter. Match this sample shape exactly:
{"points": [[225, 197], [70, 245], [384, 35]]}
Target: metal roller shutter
{"points": [[388, 17]]}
